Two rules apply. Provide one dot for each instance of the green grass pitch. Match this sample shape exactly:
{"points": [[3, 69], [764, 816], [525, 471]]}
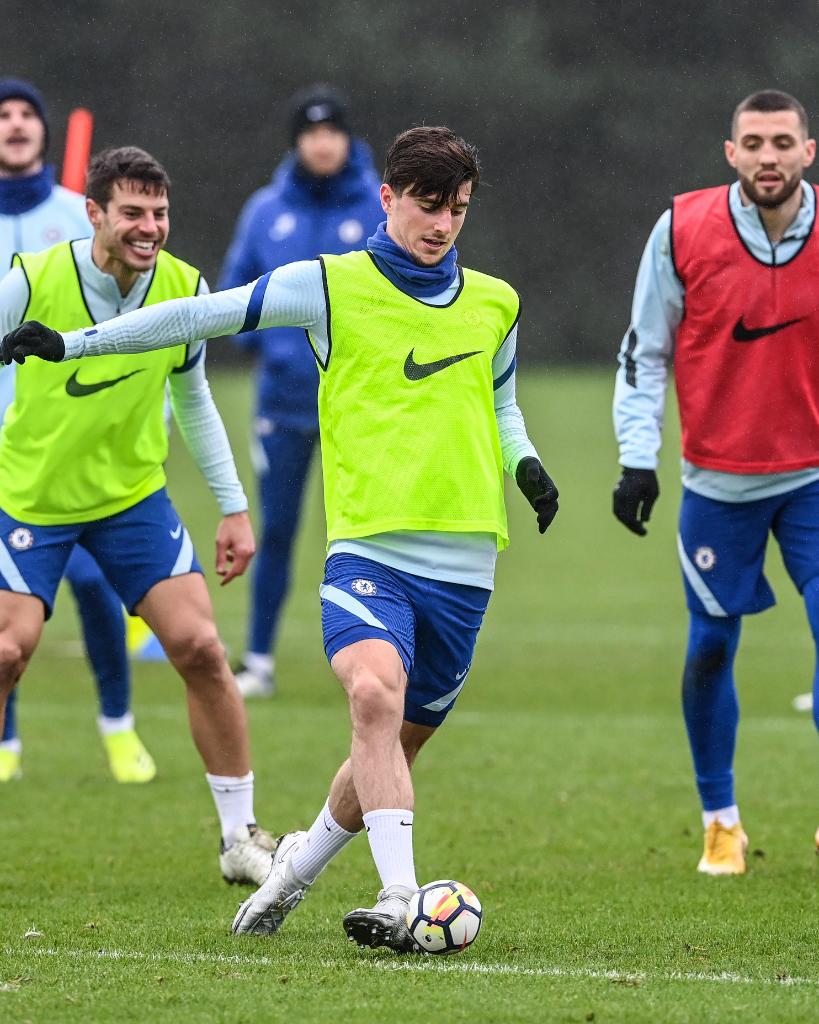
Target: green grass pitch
{"points": [[560, 789]]}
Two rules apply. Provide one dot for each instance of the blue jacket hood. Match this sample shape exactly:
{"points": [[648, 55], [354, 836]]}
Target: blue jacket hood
{"points": [[296, 217], [291, 183]]}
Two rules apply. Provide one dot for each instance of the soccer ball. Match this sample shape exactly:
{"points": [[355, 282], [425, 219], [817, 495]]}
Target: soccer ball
{"points": [[444, 917]]}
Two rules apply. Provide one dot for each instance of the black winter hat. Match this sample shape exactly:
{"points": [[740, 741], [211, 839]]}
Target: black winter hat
{"points": [[17, 89], [317, 104]]}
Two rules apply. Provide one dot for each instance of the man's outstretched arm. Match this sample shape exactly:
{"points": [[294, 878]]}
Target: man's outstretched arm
{"points": [[291, 296]]}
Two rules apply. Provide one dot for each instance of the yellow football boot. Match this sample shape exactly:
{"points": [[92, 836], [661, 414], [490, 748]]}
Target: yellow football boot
{"points": [[724, 852], [10, 767], [141, 643], [127, 757]]}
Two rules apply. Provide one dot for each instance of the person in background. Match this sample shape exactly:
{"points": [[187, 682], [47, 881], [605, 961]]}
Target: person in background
{"points": [[36, 213], [323, 198], [82, 460], [726, 291]]}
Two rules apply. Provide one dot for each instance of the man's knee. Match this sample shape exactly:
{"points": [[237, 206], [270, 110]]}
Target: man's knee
{"points": [[14, 657], [197, 653], [373, 698], [711, 649]]}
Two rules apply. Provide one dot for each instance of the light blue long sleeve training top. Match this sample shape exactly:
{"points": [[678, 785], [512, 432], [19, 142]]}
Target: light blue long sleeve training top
{"points": [[191, 401], [294, 296]]}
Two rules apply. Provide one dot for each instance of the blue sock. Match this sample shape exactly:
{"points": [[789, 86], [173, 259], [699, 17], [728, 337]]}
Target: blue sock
{"points": [[103, 628], [710, 706], [811, 596], [10, 725]]}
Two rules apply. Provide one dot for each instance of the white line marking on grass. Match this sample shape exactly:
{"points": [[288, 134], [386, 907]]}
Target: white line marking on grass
{"points": [[591, 972], [136, 955], [423, 964]]}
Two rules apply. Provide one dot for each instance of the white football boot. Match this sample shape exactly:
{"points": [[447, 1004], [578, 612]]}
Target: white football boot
{"points": [[254, 684], [248, 858], [264, 912], [385, 924]]}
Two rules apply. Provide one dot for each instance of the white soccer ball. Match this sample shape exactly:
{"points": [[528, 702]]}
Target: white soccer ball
{"points": [[444, 917]]}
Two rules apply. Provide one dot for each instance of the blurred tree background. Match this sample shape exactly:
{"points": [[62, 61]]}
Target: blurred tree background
{"points": [[588, 115]]}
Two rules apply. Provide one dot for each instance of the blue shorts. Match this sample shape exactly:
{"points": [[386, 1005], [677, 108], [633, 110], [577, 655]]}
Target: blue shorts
{"points": [[135, 549], [722, 544], [433, 626]]}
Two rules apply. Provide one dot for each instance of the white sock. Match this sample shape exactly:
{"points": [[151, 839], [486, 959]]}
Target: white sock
{"points": [[728, 816], [108, 726], [259, 664], [234, 802], [390, 834], [14, 745], [322, 842]]}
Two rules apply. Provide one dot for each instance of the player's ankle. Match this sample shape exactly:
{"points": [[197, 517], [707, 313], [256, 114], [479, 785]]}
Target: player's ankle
{"points": [[727, 816], [108, 725]]}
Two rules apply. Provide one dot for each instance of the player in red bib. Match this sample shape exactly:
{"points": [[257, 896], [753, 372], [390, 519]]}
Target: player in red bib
{"points": [[726, 291]]}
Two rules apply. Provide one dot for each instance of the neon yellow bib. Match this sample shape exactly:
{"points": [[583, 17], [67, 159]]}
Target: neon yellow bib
{"points": [[86, 439], [409, 438]]}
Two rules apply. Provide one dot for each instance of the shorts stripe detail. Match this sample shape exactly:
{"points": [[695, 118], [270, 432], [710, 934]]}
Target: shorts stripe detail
{"points": [[441, 702], [184, 560], [709, 602], [10, 572], [350, 604]]}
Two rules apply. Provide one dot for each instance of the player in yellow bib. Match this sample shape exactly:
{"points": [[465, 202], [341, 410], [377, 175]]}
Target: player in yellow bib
{"points": [[81, 462], [418, 421]]}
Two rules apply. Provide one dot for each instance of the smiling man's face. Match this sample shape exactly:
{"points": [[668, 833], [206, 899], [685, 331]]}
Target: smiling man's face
{"points": [[132, 228]]}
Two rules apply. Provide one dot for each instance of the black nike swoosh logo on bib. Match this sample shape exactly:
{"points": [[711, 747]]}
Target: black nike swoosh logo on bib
{"points": [[77, 390], [743, 333], [417, 371]]}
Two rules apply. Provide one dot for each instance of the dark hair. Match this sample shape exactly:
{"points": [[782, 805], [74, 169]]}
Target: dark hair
{"points": [[431, 162], [125, 163], [768, 100]]}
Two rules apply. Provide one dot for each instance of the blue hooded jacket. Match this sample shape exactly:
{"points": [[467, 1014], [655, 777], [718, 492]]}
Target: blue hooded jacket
{"points": [[297, 217]]}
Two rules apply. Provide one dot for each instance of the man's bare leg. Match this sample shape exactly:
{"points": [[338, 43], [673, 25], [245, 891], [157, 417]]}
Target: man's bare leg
{"points": [[343, 800], [180, 613], [384, 748], [21, 625]]}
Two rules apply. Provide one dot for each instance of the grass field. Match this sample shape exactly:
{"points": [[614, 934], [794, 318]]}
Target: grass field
{"points": [[560, 789]]}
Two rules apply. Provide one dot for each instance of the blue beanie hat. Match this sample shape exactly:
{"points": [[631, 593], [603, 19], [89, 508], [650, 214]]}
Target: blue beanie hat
{"points": [[17, 89]]}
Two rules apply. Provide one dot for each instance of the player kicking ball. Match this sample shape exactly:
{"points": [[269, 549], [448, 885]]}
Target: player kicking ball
{"points": [[418, 420], [81, 462]]}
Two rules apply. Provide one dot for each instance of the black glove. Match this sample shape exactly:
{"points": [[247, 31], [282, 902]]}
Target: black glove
{"points": [[539, 490], [634, 497], [32, 339]]}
